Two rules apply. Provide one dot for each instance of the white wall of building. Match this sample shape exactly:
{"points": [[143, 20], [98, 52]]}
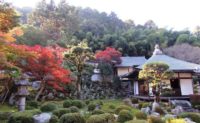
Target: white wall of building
{"points": [[136, 88], [186, 86]]}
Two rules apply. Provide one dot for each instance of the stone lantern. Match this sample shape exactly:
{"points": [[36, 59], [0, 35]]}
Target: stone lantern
{"points": [[96, 77], [22, 91]]}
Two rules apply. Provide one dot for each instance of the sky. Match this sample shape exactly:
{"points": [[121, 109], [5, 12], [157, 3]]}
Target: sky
{"points": [[170, 14]]}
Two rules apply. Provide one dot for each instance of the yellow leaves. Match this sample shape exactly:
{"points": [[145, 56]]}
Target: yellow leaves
{"points": [[10, 36]]}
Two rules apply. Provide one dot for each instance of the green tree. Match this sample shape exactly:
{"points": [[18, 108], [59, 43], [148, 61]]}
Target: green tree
{"points": [[58, 22], [77, 56], [106, 70], [155, 73]]}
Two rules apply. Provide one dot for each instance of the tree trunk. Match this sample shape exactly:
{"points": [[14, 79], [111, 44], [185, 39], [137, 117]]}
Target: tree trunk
{"points": [[39, 92], [78, 86]]}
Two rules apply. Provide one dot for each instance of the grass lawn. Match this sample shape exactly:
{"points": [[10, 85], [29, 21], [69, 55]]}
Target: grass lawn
{"points": [[109, 106], [7, 108]]}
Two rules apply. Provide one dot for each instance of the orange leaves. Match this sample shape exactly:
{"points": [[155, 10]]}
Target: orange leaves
{"points": [[10, 36]]}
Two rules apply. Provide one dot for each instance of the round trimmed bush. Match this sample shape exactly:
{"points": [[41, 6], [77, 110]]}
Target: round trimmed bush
{"points": [[60, 112], [159, 110], [72, 118], [87, 102], [91, 107], [5, 115], [101, 118], [137, 121], [134, 100], [54, 119], [122, 107], [98, 112], [78, 103], [153, 119], [48, 107], [112, 106], [100, 102], [124, 115], [74, 109], [33, 104], [23, 117], [67, 103], [193, 116], [141, 115], [143, 105]]}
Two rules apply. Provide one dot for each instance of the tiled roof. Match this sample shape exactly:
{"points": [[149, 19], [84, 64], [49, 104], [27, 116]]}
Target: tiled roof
{"points": [[174, 64], [132, 61]]}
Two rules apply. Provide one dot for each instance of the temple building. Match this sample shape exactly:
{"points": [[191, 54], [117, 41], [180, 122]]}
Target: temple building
{"points": [[181, 83]]}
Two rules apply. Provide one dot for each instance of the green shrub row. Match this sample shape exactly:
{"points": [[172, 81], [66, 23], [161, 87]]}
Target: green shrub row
{"points": [[124, 115], [77, 103], [193, 116], [23, 117], [101, 118]]}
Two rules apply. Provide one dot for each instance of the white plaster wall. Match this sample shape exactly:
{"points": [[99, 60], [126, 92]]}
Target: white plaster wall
{"points": [[186, 86], [136, 88]]}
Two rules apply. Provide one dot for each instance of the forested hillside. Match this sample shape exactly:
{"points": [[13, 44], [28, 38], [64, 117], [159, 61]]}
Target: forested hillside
{"points": [[63, 24]]}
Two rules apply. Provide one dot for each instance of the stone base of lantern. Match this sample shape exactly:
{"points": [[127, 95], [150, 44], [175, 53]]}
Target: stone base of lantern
{"points": [[21, 103]]}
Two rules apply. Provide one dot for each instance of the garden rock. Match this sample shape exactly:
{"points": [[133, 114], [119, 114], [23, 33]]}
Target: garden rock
{"points": [[155, 114], [42, 118], [187, 120], [50, 96], [146, 110], [169, 116], [177, 110], [154, 106], [128, 102], [186, 105], [135, 105]]}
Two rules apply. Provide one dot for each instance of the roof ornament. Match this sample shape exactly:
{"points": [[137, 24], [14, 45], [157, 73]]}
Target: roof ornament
{"points": [[157, 50]]}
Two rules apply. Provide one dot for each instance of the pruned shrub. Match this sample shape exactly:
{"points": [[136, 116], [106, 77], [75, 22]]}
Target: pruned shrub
{"points": [[134, 100], [193, 116], [60, 112], [159, 110], [124, 115], [153, 119], [54, 119], [23, 117], [33, 104], [101, 118], [48, 107], [74, 109], [67, 103], [100, 102], [77, 103], [197, 107], [141, 115], [136, 121], [97, 112], [91, 107], [87, 102], [143, 105], [176, 121], [4, 115], [122, 107], [112, 106], [72, 118]]}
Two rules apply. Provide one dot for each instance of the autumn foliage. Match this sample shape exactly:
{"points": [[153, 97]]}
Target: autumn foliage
{"points": [[47, 66], [109, 55]]}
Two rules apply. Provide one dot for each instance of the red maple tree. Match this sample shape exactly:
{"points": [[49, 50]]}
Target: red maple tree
{"points": [[47, 67], [109, 55]]}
